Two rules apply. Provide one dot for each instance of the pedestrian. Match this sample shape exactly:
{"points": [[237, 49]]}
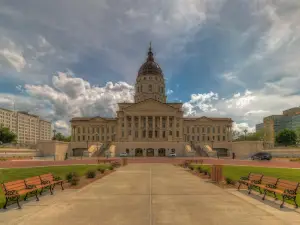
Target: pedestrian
{"points": [[233, 155]]}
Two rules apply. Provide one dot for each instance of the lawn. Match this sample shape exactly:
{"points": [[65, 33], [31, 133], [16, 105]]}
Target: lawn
{"points": [[61, 171], [235, 172]]}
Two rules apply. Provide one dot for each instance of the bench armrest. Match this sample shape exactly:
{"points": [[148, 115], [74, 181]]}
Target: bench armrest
{"points": [[244, 178], [30, 186], [290, 192], [43, 182], [11, 193], [273, 186]]}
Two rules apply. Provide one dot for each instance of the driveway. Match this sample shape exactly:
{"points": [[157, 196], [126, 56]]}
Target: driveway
{"points": [[146, 194]]}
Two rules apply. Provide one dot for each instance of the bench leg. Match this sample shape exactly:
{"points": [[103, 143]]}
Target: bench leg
{"points": [[18, 202], [62, 187], [283, 197], [239, 186], [263, 198], [36, 195], [249, 188], [296, 205], [50, 188], [41, 191], [275, 196], [6, 201], [25, 198]]}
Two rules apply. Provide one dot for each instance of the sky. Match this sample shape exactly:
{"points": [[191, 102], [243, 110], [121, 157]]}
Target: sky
{"points": [[220, 58]]}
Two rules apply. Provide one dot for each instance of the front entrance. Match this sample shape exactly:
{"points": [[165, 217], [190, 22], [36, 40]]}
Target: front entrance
{"points": [[150, 152], [161, 152], [138, 152]]}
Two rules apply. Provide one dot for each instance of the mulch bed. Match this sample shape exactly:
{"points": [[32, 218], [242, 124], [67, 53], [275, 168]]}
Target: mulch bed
{"points": [[221, 184], [85, 181]]}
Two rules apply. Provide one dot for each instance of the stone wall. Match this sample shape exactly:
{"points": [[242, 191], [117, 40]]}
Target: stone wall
{"points": [[284, 152], [244, 149], [53, 148]]}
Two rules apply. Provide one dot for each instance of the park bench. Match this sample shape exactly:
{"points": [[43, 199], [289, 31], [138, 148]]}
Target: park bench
{"points": [[104, 161], [38, 183], [53, 181], [263, 183], [15, 189], [250, 179], [287, 190]]}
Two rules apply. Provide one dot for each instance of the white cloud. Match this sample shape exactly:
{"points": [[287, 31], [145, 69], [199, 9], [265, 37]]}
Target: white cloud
{"points": [[14, 57]]}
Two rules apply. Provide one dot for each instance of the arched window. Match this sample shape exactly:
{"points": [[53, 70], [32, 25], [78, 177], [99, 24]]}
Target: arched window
{"points": [[150, 87]]}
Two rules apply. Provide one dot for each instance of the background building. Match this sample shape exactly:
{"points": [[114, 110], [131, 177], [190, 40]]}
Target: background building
{"points": [[259, 127], [150, 126], [290, 119], [28, 128]]}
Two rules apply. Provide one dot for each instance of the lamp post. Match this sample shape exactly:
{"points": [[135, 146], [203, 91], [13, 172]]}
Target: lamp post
{"points": [[54, 134], [245, 131]]}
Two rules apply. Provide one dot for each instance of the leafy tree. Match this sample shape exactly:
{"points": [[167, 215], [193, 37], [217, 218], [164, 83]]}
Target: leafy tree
{"points": [[286, 137], [297, 130], [60, 137], [254, 136], [6, 136]]}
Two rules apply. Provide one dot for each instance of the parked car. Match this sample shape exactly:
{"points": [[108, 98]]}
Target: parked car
{"points": [[123, 154], [262, 156], [172, 154]]}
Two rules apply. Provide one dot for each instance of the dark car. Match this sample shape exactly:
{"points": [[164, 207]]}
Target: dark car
{"points": [[262, 156]]}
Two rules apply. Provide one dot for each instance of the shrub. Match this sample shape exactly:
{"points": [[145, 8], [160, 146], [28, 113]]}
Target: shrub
{"points": [[229, 181], [70, 176], [205, 171], [90, 174], [200, 170], [110, 167], [101, 170], [57, 178]]}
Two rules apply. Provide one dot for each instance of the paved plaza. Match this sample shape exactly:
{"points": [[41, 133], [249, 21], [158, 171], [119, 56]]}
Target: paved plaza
{"points": [[146, 194]]}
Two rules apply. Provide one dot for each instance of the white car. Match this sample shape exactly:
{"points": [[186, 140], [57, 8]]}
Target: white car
{"points": [[172, 154], [123, 154]]}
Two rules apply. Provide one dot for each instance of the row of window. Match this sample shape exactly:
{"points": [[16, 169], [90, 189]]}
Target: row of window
{"points": [[205, 138], [150, 88], [91, 138], [208, 129], [92, 130]]}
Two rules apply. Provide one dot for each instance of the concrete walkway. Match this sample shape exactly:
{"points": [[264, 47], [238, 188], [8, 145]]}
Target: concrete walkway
{"points": [[146, 194]]}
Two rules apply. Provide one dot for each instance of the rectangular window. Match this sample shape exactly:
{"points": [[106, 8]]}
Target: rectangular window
{"points": [[170, 132], [223, 138], [218, 137], [78, 138], [208, 138], [198, 138], [122, 133], [177, 133], [213, 129], [219, 130], [193, 130], [83, 138], [208, 130]]}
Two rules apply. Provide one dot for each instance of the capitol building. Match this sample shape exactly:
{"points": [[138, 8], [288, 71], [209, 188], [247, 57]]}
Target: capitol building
{"points": [[150, 126]]}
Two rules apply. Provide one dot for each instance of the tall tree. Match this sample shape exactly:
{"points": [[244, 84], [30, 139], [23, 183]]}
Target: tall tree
{"points": [[286, 137], [6, 136], [60, 137]]}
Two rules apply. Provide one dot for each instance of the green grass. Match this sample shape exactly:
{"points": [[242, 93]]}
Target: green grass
{"points": [[235, 172], [61, 171]]}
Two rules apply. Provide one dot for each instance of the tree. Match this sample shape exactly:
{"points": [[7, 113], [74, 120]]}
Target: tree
{"points": [[60, 137], [297, 130], [6, 136], [254, 136], [286, 137]]}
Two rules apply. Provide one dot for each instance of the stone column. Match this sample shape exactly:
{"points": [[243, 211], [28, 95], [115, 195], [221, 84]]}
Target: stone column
{"points": [[168, 121], [125, 126], [110, 132], [146, 126], [174, 128], [105, 133], [181, 128], [140, 128], [160, 127], [153, 127], [133, 127]]}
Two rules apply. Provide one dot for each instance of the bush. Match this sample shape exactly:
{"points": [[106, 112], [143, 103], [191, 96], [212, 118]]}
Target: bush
{"points": [[71, 175], [200, 170], [229, 181], [110, 167], [101, 170], [90, 174]]}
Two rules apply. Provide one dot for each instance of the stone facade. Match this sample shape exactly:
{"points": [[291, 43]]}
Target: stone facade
{"points": [[150, 125]]}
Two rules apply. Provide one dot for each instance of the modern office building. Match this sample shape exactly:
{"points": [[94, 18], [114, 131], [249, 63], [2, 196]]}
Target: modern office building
{"points": [[290, 119], [28, 128], [151, 126], [259, 126]]}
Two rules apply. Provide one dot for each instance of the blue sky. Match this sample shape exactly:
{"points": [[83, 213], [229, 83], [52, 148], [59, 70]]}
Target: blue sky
{"points": [[229, 58]]}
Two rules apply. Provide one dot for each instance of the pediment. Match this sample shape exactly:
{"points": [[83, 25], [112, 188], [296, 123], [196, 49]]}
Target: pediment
{"points": [[97, 119], [204, 119], [150, 105]]}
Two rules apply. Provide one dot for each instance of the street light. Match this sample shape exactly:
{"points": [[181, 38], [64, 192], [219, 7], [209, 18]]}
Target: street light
{"points": [[245, 131]]}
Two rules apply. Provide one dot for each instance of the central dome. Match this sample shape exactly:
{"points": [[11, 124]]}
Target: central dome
{"points": [[150, 66]]}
